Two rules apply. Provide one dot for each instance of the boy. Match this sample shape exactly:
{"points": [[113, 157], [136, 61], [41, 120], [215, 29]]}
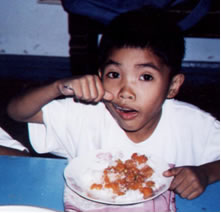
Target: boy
{"points": [[130, 105]]}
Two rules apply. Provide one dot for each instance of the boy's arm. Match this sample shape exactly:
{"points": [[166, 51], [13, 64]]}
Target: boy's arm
{"points": [[212, 170], [28, 107], [190, 181]]}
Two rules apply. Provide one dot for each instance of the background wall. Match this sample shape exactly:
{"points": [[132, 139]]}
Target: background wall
{"points": [[30, 28], [27, 27]]}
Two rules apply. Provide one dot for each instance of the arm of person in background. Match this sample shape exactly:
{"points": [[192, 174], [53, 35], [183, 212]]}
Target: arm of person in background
{"points": [[27, 108], [10, 151], [191, 181]]}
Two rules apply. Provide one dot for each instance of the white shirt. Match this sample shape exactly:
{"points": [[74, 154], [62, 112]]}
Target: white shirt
{"points": [[185, 135]]}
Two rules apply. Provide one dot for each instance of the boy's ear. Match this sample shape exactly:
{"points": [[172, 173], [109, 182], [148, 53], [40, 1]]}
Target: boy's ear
{"points": [[175, 85]]}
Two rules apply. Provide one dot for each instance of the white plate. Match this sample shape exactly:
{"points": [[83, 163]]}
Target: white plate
{"points": [[82, 171], [23, 208]]}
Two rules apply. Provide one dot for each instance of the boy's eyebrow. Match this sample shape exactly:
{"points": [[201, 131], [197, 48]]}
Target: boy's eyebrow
{"points": [[111, 62], [151, 65]]}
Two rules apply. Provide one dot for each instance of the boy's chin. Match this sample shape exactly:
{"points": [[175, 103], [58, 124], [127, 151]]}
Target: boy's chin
{"points": [[128, 128]]}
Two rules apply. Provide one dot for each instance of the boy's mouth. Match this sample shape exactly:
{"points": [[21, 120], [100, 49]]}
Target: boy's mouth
{"points": [[125, 112]]}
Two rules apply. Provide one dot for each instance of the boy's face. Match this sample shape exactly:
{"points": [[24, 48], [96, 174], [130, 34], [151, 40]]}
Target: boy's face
{"points": [[139, 84]]}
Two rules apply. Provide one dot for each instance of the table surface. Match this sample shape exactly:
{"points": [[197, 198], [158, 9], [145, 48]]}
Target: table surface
{"points": [[40, 182]]}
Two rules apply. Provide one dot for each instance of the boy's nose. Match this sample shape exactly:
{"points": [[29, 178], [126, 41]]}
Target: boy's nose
{"points": [[127, 93]]}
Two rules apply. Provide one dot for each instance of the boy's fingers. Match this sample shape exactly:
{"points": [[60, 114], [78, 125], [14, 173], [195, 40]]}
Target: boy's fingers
{"points": [[186, 192], [107, 96], [102, 94], [66, 90], [193, 195], [172, 172], [78, 90], [99, 89], [178, 180], [84, 88], [93, 87], [178, 184], [89, 88]]}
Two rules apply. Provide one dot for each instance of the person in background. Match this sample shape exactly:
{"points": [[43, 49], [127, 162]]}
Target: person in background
{"points": [[10, 146], [104, 11], [129, 105], [88, 18]]}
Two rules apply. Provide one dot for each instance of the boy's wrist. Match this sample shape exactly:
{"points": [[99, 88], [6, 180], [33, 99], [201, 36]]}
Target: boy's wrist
{"points": [[57, 88], [204, 174], [210, 171]]}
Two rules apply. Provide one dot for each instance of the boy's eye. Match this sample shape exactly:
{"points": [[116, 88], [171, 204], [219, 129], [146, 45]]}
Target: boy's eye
{"points": [[146, 77], [113, 75]]}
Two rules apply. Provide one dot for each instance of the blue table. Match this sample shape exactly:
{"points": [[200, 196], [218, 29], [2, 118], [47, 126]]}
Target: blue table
{"points": [[40, 182]]}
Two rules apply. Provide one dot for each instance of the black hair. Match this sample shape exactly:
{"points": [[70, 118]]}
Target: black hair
{"points": [[146, 28]]}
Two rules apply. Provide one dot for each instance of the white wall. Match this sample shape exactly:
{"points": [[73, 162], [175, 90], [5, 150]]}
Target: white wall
{"points": [[202, 49], [27, 27]]}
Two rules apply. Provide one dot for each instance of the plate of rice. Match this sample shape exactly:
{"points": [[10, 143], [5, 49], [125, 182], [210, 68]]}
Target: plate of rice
{"points": [[117, 177]]}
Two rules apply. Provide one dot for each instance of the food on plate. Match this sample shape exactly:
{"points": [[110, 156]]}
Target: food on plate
{"points": [[117, 177], [132, 174]]}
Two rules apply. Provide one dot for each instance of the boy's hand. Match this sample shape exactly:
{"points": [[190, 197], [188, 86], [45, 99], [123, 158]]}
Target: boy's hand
{"points": [[189, 181], [88, 88]]}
